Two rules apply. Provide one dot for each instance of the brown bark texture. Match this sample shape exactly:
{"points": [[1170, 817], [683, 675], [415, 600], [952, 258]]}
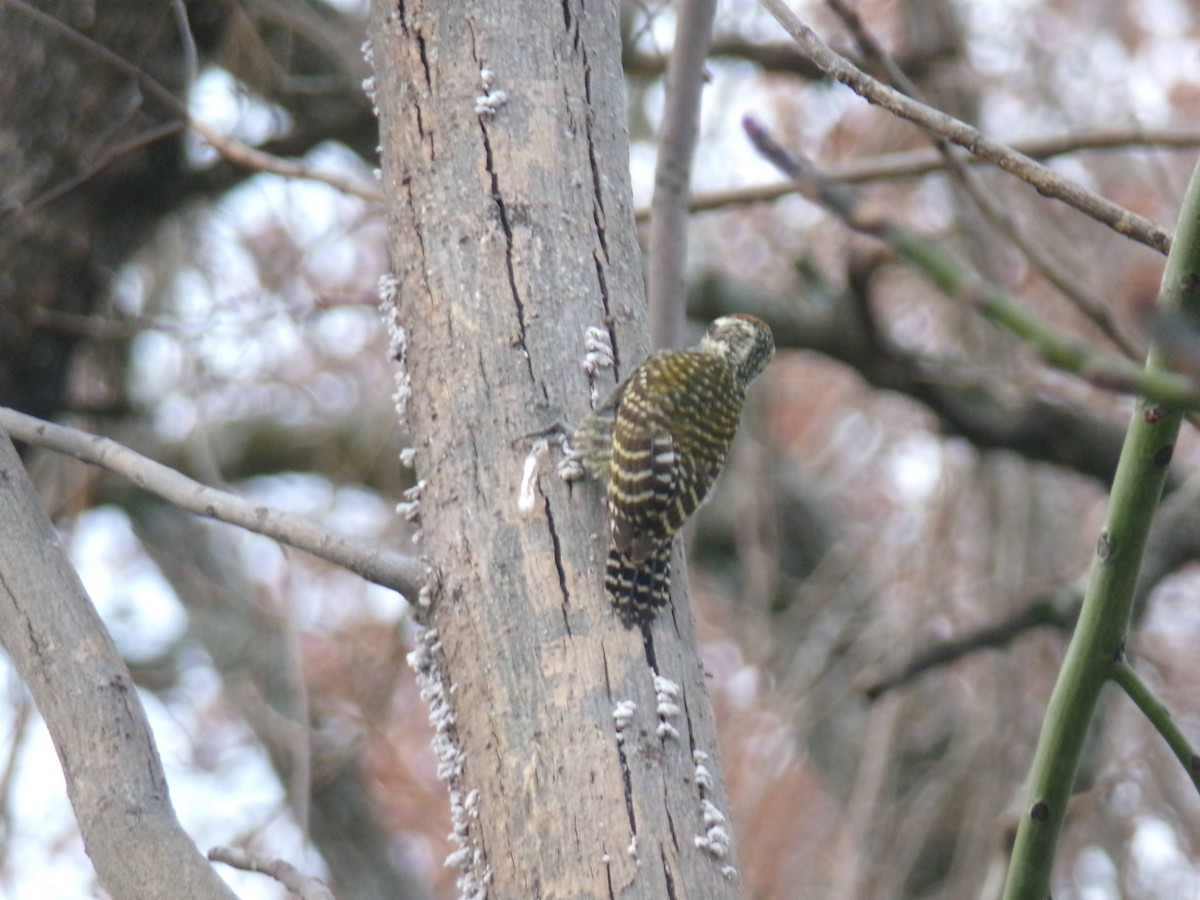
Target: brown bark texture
{"points": [[505, 166]]}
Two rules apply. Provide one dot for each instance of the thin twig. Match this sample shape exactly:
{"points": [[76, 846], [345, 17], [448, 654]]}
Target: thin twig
{"points": [[376, 564], [1058, 609], [1070, 354], [1159, 716], [191, 59], [307, 887], [107, 158], [916, 163], [1046, 181]]}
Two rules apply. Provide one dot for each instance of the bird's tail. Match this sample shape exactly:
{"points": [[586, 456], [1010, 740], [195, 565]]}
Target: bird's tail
{"points": [[638, 590]]}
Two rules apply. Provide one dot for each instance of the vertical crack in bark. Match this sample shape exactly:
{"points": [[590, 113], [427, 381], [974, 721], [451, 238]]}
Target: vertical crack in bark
{"points": [[627, 784], [667, 876], [424, 60], [608, 316], [506, 226], [558, 563], [687, 717], [566, 9], [670, 820], [607, 678], [598, 214], [406, 182], [421, 124]]}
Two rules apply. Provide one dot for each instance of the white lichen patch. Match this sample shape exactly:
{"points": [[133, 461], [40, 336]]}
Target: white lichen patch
{"points": [[368, 85], [666, 692], [491, 100], [389, 294], [715, 841], [622, 717], [410, 509], [712, 815], [598, 355], [469, 858]]}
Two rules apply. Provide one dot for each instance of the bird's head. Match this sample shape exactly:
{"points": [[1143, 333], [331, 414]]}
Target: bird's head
{"points": [[744, 341]]}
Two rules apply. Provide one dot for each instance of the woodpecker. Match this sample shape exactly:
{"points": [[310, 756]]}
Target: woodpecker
{"points": [[659, 443]]}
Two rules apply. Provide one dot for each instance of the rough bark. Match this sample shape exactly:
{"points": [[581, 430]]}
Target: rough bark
{"points": [[83, 690], [511, 231]]}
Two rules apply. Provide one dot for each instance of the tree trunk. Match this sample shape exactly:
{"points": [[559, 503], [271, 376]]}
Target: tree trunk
{"points": [[505, 165]]}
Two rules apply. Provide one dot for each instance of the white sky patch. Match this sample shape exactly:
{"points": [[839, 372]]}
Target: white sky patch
{"points": [[345, 331], [1096, 876], [128, 591], [222, 102], [1161, 868], [915, 466]]}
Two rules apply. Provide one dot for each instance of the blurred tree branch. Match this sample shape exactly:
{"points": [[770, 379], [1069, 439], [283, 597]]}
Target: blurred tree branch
{"points": [[233, 150], [957, 281], [306, 887], [376, 564], [994, 211], [1038, 428], [673, 170], [915, 163], [1045, 180], [782, 58]]}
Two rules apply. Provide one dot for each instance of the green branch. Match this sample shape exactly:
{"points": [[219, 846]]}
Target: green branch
{"points": [[1160, 717], [1099, 639]]}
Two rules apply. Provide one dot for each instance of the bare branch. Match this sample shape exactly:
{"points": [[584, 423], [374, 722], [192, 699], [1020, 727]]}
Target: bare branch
{"points": [[1159, 717], [915, 163], [376, 564], [1058, 609], [1046, 181], [307, 887]]}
